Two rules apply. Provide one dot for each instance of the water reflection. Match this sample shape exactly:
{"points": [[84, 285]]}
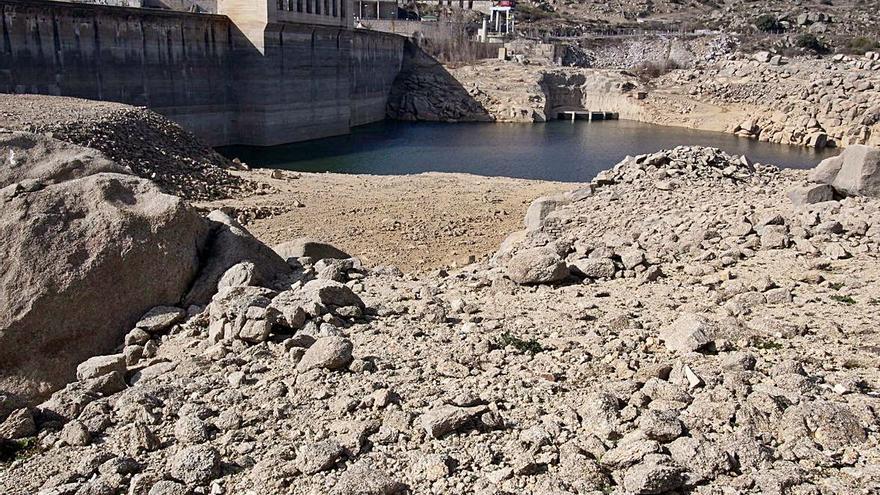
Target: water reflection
{"points": [[558, 150]]}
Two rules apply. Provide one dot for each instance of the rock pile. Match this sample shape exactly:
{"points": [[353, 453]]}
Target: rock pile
{"points": [[748, 365], [146, 143], [800, 102]]}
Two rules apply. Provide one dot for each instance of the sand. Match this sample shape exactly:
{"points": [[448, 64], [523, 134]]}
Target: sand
{"points": [[415, 222]]}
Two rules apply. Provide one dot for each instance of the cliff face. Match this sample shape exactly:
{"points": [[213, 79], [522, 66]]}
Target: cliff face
{"points": [[800, 102], [497, 91]]}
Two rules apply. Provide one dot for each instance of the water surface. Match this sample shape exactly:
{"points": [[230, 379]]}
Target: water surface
{"points": [[558, 150]]}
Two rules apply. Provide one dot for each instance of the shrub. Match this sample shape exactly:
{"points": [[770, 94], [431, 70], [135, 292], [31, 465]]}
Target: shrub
{"points": [[11, 450], [653, 69], [843, 299], [530, 346], [767, 22], [861, 44], [809, 41]]}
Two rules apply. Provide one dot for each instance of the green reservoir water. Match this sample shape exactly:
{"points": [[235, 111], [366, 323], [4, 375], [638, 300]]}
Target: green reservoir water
{"points": [[558, 150]]}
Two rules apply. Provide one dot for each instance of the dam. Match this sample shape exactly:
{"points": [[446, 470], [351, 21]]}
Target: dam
{"points": [[260, 73]]}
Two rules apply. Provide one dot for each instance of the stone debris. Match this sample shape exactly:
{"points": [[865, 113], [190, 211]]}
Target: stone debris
{"points": [[688, 333], [709, 336], [196, 464], [19, 424], [129, 136], [443, 420], [99, 366], [332, 353], [317, 457], [160, 319], [811, 194]]}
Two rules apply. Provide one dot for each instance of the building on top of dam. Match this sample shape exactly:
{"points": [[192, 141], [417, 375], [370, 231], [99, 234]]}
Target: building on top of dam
{"points": [[375, 9], [247, 14], [324, 12]]}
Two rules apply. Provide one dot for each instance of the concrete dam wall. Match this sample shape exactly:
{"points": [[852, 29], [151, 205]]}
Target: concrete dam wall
{"points": [[258, 83]]}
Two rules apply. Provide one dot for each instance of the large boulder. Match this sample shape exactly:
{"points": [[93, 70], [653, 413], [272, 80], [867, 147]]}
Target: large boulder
{"points": [[228, 245], [34, 157], [811, 194], [854, 172], [83, 260], [540, 265], [541, 208]]}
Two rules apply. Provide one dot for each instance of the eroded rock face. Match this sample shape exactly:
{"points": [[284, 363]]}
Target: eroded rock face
{"points": [[83, 260]]}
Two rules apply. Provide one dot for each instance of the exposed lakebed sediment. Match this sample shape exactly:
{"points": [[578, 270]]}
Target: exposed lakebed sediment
{"points": [[690, 321]]}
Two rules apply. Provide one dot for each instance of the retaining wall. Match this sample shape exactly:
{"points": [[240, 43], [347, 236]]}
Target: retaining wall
{"points": [[306, 81]]}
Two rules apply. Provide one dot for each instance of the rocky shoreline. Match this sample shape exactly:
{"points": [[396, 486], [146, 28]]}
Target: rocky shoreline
{"points": [[799, 101], [689, 322]]}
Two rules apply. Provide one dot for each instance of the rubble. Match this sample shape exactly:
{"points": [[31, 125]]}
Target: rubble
{"points": [[743, 363]]}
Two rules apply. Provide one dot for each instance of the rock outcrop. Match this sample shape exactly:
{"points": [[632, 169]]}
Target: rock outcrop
{"points": [[855, 172], [85, 256], [801, 102], [28, 157]]}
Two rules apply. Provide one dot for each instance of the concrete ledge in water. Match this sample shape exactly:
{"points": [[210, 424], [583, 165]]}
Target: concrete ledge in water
{"points": [[586, 115]]}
